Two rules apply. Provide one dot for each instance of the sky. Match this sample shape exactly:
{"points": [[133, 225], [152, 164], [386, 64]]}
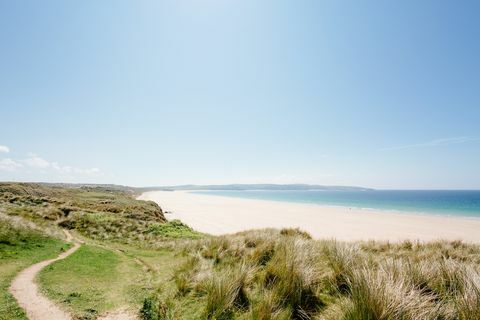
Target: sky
{"points": [[382, 94]]}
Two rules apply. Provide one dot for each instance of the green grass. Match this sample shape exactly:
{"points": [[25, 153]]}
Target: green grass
{"points": [[20, 247], [173, 229], [94, 280], [120, 266]]}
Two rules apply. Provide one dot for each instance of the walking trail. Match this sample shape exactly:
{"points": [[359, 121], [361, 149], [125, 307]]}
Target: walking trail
{"points": [[26, 291], [37, 306]]}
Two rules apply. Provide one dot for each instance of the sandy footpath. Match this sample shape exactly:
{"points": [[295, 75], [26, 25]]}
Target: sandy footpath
{"points": [[25, 290], [222, 215], [37, 306]]}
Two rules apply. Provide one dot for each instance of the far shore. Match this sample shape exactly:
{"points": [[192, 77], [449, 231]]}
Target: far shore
{"points": [[223, 215]]}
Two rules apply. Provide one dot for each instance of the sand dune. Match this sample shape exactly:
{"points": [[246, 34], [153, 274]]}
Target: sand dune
{"points": [[221, 215]]}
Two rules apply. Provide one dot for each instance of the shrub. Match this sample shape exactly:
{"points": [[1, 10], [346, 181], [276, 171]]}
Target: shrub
{"points": [[154, 308], [148, 310], [172, 229]]}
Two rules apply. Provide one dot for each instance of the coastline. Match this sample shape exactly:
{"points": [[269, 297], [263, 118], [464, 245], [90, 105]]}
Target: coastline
{"points": [[429, 211], [223, 215]]}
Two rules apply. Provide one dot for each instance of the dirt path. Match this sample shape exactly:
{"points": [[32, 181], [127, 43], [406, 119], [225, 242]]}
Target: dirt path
{"points": [[26, 291], [38, 307]]}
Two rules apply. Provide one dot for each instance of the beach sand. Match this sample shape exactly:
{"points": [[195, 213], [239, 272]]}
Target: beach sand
{"points": [[222, 215]]}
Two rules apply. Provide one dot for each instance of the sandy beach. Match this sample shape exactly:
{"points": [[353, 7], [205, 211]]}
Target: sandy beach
{"points": [[222, 215]]}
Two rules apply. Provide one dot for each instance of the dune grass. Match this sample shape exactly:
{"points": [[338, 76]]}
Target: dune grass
{"points": [[283, 274], [21, 246]]}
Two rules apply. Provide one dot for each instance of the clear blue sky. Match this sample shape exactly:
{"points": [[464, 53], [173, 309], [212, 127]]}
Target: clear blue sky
{"points": [[380, 94]]}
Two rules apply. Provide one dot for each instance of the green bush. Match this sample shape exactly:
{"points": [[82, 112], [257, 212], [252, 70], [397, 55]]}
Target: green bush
{"points": [[154, 308], [172, 229]]}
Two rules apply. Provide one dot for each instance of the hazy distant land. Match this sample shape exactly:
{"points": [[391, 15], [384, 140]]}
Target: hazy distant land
{"points": [[240, 187]]}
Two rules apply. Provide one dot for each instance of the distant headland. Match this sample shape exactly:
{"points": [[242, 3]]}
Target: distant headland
{"points": [[244, 187]]}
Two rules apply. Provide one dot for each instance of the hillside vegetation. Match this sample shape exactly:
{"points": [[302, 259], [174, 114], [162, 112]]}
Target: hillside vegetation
{"points": [[21, 244], [133, 257], [122, 258], [100, 213]]}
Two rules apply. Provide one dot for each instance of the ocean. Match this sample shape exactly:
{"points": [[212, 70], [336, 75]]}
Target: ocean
{"points": [[438, 202]]}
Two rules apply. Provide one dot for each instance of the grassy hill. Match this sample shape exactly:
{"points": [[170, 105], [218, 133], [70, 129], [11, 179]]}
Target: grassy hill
{"points": [[124, 243], [132, 257], [96, 212]]}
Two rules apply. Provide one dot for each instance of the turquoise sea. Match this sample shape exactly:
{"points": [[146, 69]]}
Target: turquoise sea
{"points": [[438, 202]]}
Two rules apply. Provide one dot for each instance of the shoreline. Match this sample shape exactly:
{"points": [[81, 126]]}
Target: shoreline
{"points": [[325, 205], [223, 215]]}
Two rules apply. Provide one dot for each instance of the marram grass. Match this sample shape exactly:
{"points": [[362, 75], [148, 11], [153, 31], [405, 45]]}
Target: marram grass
{"points": [[275, 274]]}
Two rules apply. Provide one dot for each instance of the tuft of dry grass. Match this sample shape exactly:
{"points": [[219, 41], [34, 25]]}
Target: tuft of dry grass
{"points": [[342, 260], [268, 308], [226, 291], [467, 299], [294, 278], [379, 294]]}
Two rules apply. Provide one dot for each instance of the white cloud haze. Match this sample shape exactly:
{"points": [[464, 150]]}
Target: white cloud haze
{"points": [[435, 143], [4, 149], [36, 164], [9, 165]]}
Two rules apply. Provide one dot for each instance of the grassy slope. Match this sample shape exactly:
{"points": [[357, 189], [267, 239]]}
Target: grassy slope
{"points": [[19, 248], [97, 213], [121, 263], [267, 274], [93, 280], [96, 279]]}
